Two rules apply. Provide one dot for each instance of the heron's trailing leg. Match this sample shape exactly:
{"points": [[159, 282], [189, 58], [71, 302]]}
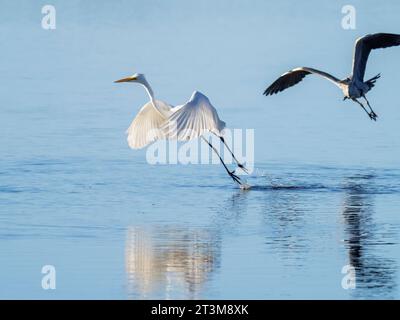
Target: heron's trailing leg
{"points": [[231, 174], [374, 115], [241, 166], [371, 116]]}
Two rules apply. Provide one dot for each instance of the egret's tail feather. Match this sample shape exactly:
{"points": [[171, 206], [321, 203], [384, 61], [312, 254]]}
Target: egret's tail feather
{"points": [[371, 82]]}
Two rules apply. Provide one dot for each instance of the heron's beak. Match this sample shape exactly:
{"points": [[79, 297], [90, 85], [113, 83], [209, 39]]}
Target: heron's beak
{"points": [[128, 79]]}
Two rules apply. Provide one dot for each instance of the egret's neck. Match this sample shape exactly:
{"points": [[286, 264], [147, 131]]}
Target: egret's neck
{"points": [[149, 90]]}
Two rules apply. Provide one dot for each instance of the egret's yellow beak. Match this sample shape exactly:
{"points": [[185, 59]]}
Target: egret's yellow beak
{"points": [[128, 79]]}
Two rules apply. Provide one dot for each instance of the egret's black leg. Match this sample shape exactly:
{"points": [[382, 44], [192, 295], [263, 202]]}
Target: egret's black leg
{"points": [[229, 149], [369, 106], [362, 106], [231, 174]]}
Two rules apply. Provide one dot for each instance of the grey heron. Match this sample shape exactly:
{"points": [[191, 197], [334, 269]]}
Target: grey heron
{"points": [[354, 87], [159, 120]]}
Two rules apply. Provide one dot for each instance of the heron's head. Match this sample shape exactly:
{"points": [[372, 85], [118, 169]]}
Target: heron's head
{"points": [[346, 80], [135, 78]]}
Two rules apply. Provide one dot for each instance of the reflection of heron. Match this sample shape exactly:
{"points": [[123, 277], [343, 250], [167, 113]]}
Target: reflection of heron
{"points": [[353, 87], [170, 260], [158, 120], [372, 272]]}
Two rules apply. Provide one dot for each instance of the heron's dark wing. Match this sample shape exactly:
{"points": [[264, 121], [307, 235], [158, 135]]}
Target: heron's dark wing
{"points": [[294, 76], [363, 47]]}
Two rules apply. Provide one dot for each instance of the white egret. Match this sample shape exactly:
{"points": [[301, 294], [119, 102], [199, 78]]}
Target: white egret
{"points": [[354, 86], [159, 120]]}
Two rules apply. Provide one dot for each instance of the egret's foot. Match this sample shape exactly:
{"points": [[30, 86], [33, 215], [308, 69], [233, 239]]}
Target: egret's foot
{"points": [[235, 177], [243, 168], [245, 186]]}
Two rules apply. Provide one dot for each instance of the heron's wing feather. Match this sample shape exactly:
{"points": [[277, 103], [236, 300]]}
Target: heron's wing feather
{"points": [[194, 118], [294, 76], [363, 47], [145, 127]]}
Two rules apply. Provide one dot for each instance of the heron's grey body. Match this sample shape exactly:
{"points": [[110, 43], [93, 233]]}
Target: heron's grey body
{"points": [[354, 86], [354, 89]]}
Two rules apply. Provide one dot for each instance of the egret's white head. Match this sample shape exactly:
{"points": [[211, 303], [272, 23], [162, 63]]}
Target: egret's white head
{"points": [[135, 78]]}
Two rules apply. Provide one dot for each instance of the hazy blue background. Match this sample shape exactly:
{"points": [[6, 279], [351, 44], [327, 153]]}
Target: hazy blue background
{"points": [[73, 194]]}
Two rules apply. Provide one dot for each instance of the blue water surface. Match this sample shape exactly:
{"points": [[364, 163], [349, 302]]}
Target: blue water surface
{"points": [[326, 186]]}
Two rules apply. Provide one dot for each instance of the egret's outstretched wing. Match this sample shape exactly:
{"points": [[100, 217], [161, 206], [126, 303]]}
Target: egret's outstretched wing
{"points": [[194, 118], [363, 47], [294, 76], [145, 127]]}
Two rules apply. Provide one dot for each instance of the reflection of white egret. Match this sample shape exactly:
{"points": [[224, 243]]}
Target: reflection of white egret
{"points": [[169, 261], [158, 120], [141, 264], [353, 87]]}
